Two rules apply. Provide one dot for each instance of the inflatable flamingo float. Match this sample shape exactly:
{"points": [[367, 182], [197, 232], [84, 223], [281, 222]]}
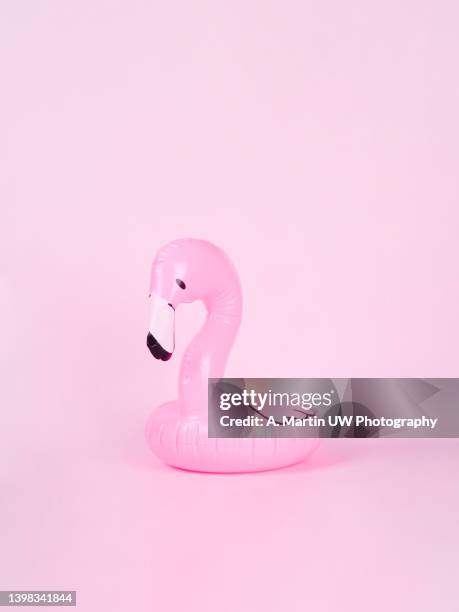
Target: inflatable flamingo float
{"points": [[182, 272]]}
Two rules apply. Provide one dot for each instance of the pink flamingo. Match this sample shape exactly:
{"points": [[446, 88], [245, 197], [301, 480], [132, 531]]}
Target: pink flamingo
{"points": [[184, 271]]}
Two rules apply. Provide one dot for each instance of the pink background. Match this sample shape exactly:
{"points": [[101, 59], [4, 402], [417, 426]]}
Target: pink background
{"points": [[316, 142]]}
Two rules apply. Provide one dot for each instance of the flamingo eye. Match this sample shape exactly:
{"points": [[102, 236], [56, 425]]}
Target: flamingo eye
{"points": [[180, 283]]}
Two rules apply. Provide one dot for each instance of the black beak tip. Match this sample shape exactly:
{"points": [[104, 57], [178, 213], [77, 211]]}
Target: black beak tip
{"points": [[156, 349]]}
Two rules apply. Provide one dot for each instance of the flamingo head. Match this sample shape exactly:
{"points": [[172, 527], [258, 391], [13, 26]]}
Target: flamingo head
{"points": [[183, 271]]}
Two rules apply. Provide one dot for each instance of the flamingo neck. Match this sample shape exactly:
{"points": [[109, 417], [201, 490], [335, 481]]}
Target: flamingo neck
{"points": [[207, 354]]}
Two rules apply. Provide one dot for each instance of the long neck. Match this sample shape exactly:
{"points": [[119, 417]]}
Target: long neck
{"points": [[208, 352]]}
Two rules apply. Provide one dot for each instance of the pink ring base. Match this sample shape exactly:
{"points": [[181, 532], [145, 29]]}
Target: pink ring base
{"points": [[184, 443]]}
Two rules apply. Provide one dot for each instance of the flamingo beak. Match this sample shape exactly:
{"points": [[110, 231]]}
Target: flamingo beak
{"points": [[160, 339]]}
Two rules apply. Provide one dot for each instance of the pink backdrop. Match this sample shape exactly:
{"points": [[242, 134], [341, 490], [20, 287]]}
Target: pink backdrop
{"points": [[316, 142]]}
